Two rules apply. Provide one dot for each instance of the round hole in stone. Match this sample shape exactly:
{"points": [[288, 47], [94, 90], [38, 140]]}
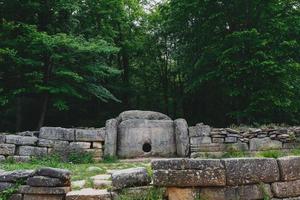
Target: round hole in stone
{"points": [[147, 147]]}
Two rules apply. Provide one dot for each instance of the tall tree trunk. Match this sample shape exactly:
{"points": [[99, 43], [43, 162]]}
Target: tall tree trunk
{"points": [[43, 110], [19, 114], [125, 66]]}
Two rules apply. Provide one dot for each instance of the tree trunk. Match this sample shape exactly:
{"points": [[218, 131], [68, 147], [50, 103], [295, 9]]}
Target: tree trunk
{"points": [[19, 114], [125, 66], [43, 111]]}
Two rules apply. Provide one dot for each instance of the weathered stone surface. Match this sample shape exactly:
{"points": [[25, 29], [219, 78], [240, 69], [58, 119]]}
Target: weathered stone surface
{"points": [[259, 144], [175, 193], [201, 130], [130, 177], [95, 152], [21, 140], [138, 114], [2, 138], [230, 139], [57, 133], [245, 192], [42, 181], [136, 134], [101, 184], [97, 145], [80, 145], [16, 197], [90, 135], [241, 171], [26, 189], [286, 189], [13, 176], [101, 177], [5, 186], [29, 133], [111, 131], [200, 140], [213, 147], [19, 158], [52, 143], [182, 137], [2, 158], [32, 151], [78, 184], [43, 197], [53, 173], [289, 168], [7, 149], [218, 140], [90, 194]]}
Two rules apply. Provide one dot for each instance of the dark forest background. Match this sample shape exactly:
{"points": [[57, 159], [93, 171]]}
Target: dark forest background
{"points": [[79, 62]]}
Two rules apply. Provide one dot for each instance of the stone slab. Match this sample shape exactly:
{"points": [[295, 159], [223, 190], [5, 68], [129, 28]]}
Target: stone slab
{"points": [[19, 159], [286, 189], [90, 135], [44, 190], [53, 173], [139, 114], [240, 171], [80, 145], [57, 133], [182, 137], [260, 144], [111, 131], [97, 145], [43, 197], [42, 181], [90, 194], [175, 193], [7, 149], [5, 186], [52, 143], [130, 177], [13, 176], [289, 168], [21, 140], [32, 151]]}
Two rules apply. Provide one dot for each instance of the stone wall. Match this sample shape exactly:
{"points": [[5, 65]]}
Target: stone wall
{"points": [[228, 179], [205, 139], [41, 184], [22, 146]]}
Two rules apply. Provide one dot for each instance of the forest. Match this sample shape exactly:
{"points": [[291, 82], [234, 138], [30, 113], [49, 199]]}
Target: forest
{"points": [[77, 63]]}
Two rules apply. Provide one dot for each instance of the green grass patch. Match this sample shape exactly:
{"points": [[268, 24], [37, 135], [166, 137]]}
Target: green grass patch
{"points": [[152, 193], [271, 154]]}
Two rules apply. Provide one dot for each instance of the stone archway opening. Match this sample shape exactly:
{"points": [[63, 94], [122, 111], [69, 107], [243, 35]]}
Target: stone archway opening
{"points": [[147, 147]]}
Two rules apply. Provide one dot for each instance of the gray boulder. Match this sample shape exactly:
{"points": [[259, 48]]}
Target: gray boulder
{"points": [[130, 178], [13, 176], [138, 114], [57, 133], [182, 137], [42, 181], [241, 171], [54, 173]]}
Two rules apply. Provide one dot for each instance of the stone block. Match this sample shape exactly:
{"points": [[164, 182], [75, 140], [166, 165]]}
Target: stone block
{"points": [[97, 145], [21, 140], [29, 133], [14, 176], [291, 145], [90, 194], [218, 140], [130, 177], [54, 173], [5, 186], [286, 189], [111, 131], [32, 151], [200, 140], [80, 145], [43, 197], [138, 114], [230, 139], [58, 144], [42, 181], [175, 193], [19, 159], [2, 158], [2, 138], [146, 138], [57, 133], [90, 135], [240, 171], [289, 168], [7, 149], [213, 147], [260, 144], [200, 130], [26, 189], [16, 197], [182, 137], [192, 131]]}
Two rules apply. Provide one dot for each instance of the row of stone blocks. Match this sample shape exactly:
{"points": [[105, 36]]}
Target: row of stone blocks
{"points": [[228, 179], [41, 184], [22, 146]]}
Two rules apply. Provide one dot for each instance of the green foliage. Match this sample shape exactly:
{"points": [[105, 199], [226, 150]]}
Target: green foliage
{"points": [[81, 157], [150, 194], [6, 194], [271, 154], [110, 159]]}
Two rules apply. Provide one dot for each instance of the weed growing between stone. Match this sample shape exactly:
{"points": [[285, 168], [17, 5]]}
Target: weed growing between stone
{"points": [[6, 194], [152, 193]]}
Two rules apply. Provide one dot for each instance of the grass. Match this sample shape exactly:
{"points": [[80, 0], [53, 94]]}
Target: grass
{"points": [[79, 171], [152, 193]]}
